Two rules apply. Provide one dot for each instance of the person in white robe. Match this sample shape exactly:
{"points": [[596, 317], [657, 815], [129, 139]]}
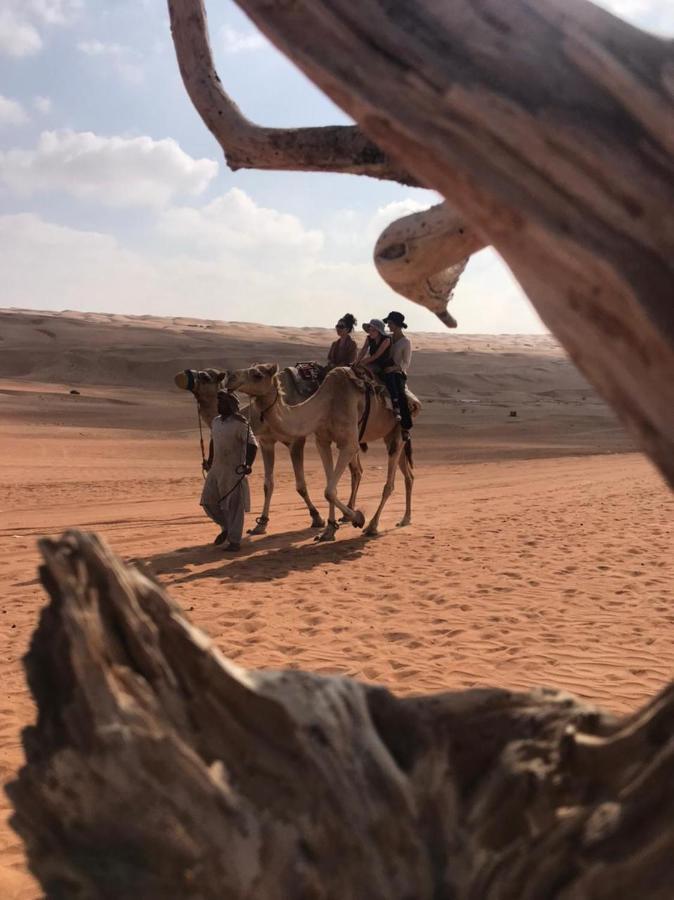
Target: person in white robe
{"points": [[226, 495]]}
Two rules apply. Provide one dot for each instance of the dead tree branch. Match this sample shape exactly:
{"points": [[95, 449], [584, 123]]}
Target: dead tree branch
{"points": [[158, 769], [548, 125], [336, 148], [422, 257]]}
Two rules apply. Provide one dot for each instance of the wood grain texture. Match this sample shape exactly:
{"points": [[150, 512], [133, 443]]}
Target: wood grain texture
{"points": [[548, 125], [159, 769]]}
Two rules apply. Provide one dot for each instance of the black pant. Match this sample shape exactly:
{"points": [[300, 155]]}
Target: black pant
{"points": [[395, 382]]}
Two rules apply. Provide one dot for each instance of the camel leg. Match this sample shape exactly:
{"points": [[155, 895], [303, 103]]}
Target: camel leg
{"points": [[408, 473], [394, 447], [344, 457], [325, 452], [268, 462], [356, 468], [297, 459]]}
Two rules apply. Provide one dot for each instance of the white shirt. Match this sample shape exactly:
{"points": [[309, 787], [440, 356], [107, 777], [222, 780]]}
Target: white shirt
{"points": [[401, 353]]}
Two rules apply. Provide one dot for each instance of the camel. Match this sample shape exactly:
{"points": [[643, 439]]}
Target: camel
{"points": [[346, 412], [205, 384]]}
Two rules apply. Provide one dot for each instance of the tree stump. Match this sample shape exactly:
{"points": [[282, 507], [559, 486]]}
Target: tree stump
{"points": [[159, 769]]}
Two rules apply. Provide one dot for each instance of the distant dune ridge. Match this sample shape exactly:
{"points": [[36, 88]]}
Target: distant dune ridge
{"points": [[469, 383], [540, 552]]}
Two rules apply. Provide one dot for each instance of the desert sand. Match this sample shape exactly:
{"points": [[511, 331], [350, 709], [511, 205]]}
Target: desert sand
{"points": [[540, 551]]}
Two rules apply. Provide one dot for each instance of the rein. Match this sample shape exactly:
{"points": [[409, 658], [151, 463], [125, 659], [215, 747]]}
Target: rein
{"points": [[273, 403], [201, 436], [362, 424]]}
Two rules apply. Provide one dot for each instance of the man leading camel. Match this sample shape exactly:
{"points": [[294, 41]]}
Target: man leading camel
{"points": [[232, 450]]}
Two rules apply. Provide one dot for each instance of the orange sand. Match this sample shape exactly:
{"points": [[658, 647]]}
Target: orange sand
{"points": [[541, 549]]}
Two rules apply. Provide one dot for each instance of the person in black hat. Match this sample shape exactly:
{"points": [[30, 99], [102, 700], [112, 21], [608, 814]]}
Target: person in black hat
{"points": [[226, 496], [395, 374]]}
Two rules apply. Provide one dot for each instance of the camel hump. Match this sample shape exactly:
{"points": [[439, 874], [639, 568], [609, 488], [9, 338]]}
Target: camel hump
{"points": [[351, 376]]}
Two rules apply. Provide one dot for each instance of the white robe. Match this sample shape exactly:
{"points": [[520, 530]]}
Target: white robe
{"points": [[230, 437]]}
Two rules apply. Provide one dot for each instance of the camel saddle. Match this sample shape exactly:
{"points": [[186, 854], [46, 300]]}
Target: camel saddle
{"points": [[366, 381], [306, 376]]}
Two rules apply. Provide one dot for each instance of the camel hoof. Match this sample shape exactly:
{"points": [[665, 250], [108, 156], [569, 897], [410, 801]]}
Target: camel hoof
{"points": [[358, 520], [327, 535], [403, 523], [317, 522], [259, 529], [371, 531], [343, 520]]}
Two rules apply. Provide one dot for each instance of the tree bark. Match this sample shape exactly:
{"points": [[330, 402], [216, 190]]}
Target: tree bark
{"points": [[549, 126], [159, 769], [337, 148], [422, 256], [333, 148]]}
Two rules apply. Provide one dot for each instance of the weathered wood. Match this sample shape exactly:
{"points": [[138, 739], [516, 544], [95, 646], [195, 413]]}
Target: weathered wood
{"points": [[159, 769], [546, 123], [422, 256], [336, 148], [333, 148]]}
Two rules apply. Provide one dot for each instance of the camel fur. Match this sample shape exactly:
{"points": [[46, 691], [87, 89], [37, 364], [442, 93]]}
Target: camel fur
{"points": [[334, 414], [207, 383]]}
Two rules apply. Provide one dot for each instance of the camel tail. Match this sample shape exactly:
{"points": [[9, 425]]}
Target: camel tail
{"points": [[364, 447], [408, 452]]}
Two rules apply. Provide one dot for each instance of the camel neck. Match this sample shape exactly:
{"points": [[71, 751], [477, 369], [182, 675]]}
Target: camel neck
{"points": [[294, 421], [207, 411]]}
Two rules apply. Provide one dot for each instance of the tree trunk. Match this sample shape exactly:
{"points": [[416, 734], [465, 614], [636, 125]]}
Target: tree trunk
{"points": [[159, 770], [549, 125]]}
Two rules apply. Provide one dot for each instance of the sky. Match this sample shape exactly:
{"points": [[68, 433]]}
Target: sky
{"points": [[114, 196]]}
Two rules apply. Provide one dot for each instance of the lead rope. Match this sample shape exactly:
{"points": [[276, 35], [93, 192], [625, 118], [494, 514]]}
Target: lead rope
{"points": [[201, 438]]}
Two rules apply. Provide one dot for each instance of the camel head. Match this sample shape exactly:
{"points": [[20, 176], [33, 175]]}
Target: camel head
{"points": [[204, 384], [255, 381]]}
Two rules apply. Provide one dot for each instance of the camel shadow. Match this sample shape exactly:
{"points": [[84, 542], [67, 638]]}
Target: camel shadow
{"points": [[267, 558]]}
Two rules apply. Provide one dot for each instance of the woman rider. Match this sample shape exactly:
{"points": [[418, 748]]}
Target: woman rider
{"points": [[344, 350], [376, 355], [375, 352]]}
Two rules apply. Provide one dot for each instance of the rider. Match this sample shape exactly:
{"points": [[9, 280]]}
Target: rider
{"points": [[231, 454], [375, 351], [395, 375], [344, 350], [376, 354]]}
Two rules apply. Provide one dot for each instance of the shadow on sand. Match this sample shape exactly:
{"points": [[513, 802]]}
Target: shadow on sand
{"points": [[265, 558]]}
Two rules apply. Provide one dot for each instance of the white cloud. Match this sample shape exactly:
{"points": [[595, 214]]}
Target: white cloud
{"points": [[42, 104], [21, 22], [11, 112], [488, 299], [39, 259], [114, 171], [123, 59], [274, 270], [234, 222], [651, 15], [235, 41]]}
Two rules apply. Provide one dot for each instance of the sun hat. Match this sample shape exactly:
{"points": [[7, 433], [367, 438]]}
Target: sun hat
{"points": [[376, 324], [397, 318]]}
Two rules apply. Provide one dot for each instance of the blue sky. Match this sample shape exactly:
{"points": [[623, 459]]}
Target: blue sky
{"points": [[115, 197]]}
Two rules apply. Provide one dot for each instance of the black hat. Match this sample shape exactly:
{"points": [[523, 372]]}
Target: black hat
{"points": [[396, 318]]}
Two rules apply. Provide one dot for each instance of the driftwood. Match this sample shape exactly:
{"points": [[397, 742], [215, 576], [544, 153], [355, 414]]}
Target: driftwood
{"points": [[548, 125], [336, 148], [158, 769]]}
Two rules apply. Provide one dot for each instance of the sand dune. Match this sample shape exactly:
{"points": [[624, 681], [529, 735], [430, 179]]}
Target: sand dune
{"points": [[540, 553]]}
